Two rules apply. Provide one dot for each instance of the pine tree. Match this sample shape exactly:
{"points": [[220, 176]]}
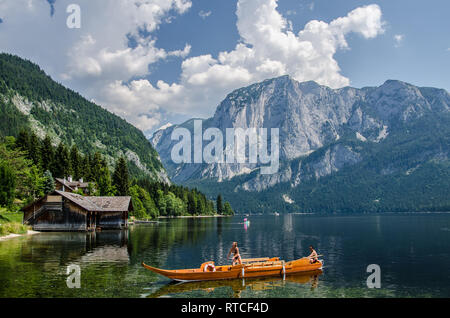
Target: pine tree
{"points": [[121, 177], [23, 141], [7, 185], [49, 182], [76, 162], [219, 205], [96, 164], [191, 204], [34, 149], [86, 169], [47, 155], [61, 165], [227, 209], [104, 185]]}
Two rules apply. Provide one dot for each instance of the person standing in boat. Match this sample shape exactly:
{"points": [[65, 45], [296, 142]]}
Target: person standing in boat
{"points": [[237, 257], [313, 256]]}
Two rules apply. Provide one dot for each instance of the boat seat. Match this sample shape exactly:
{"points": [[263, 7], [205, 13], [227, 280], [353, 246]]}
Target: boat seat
{"points": [[254, 260]]}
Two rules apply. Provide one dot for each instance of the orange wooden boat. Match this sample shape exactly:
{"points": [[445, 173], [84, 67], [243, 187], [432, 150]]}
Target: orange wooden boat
{"points": [[250, 268]]}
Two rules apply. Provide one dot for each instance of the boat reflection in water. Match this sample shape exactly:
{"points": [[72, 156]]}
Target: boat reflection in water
{"points": [[239, 285]]}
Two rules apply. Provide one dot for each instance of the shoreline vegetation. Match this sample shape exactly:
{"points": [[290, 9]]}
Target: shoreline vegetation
{"points": [[11, 225], [14, 235], [27, 167], [149, 221]]}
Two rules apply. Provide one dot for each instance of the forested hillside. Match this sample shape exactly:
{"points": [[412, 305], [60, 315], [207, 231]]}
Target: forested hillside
{"points": [[48, 131], [348, 150], [407, 172], [28, 168], [29, 98]]}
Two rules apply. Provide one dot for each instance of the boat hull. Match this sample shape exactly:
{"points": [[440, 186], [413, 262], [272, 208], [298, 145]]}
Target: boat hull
{"points": [[265, 269]]}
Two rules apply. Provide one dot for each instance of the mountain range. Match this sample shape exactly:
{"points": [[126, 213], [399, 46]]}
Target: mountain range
{"points": [[374, 149]]}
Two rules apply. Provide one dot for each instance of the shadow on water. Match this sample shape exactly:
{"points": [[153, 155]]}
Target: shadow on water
{"points": [[237, 286]]}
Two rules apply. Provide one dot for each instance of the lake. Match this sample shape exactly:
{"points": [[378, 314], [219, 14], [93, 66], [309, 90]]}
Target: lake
{"points": [[412, 250]]}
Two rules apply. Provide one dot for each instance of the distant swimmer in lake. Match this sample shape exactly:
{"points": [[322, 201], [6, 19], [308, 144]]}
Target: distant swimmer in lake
{"points": [[237, 257], [313, 256]]}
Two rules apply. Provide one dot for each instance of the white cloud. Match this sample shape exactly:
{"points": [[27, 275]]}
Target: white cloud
{"points": [[98, 61], [97, 56], [398, 39], [268, 49], [204, 14]]}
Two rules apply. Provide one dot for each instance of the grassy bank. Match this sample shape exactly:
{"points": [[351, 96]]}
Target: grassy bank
{"points": [[11, 223]]}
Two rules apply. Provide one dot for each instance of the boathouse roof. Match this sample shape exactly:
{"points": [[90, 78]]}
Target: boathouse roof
{"points": [[98, 204], [92, 204]]}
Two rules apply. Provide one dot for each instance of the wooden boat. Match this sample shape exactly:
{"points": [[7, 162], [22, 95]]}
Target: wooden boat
{"points": [[250, 268], [237, 286]]}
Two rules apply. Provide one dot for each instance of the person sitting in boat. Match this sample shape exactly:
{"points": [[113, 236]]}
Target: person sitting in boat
{"points": [[313, 256], [237, 257]]}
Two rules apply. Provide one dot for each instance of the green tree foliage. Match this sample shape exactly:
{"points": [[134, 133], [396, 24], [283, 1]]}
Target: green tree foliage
{"points": [[173, 200], [227, 210], [143, 204], [150, 198], [76, 163], [7, 184], [62, 166], [191, 204], [104, 184], [121, 177], [12, 120], [49, 182], [174, 206], [28, 183], [149, 203], [161, 202], [219, 203], [34, 148], [23, 140], [47, 154], [139, 210], [96, 164], [71, 117], [34, 183]]}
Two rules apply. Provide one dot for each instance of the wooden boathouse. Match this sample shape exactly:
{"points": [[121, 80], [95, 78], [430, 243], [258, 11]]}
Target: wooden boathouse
{"points": [[65, 211]]}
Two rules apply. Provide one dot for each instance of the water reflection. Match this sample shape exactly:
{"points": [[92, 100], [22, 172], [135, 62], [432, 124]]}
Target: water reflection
{"points": [[35, 266], [108, 246], [239, 285]]}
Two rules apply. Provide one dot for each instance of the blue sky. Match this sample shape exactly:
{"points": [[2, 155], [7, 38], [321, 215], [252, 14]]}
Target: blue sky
{"points": [[420, 58], [186, 55]]}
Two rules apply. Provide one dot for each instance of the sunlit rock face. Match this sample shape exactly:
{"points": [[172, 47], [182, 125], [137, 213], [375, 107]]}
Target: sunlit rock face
{"points": [[314, 122]]}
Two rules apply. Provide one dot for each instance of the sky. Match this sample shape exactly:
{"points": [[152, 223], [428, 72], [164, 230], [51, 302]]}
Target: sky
{"points": [[155, 62]]}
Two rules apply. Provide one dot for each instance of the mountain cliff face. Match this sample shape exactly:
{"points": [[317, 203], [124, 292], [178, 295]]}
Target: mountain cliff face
{"points": [[324, 133], [31, 99]]}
